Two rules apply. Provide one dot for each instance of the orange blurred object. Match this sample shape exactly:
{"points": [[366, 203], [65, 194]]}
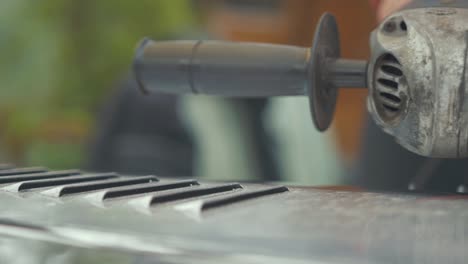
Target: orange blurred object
{"points": [[293, 22]]}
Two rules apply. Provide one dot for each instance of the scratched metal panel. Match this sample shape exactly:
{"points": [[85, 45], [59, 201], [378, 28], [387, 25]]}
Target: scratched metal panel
{"points": [[186, 221]]}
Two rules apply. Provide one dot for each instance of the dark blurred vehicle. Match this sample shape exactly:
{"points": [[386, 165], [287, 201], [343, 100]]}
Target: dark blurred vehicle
{"points": [[141, 135]]}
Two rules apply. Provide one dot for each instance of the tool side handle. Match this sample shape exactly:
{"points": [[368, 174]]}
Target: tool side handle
{"points": [[221, 68]]}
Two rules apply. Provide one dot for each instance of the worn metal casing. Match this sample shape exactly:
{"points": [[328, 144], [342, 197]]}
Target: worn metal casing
{"points": [[430, 45]]}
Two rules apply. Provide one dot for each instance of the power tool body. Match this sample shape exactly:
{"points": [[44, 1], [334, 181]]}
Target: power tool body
{"points": [[416, 74]]}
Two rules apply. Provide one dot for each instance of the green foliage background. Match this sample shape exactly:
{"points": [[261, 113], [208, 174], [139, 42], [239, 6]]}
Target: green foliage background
{"points": [[58, 61]]}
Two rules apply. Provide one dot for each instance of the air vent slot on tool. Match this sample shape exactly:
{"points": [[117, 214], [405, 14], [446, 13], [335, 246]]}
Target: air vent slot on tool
{"points": [[389, 96]]}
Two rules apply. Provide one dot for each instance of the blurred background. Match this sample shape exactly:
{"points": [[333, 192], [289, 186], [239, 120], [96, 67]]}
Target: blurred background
{"points": [[68, 98]]}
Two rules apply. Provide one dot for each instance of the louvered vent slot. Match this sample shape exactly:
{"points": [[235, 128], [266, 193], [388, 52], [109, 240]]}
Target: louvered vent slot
{"points": [[36, 184], [98, 185], [241, 196], [37, 176], [389, 95], [146, 188], [192, 193], [18, 171]]}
